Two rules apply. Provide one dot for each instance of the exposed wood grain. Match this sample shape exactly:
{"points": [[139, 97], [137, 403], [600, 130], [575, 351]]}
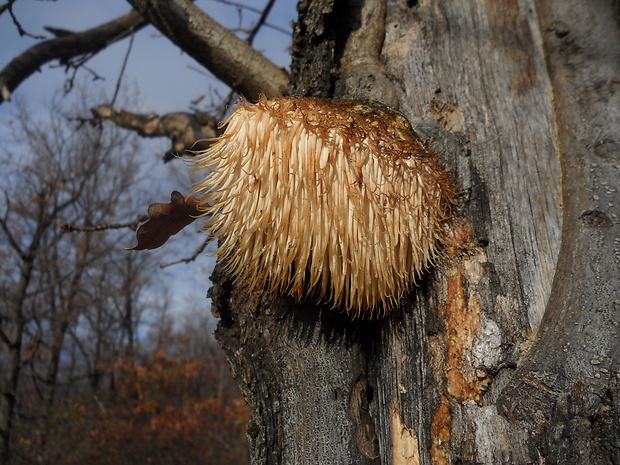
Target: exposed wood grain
{"points": [[473, 76], [484, 67], [569, 382], [440, 374]]}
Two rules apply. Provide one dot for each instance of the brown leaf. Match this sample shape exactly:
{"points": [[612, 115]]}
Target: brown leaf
{"points": [[165, 220]]}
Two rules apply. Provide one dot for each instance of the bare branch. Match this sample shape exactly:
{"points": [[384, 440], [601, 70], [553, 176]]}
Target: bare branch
{"points": [[6, 6], [187, 131], [231, 59], [133, 225], [258, 11], [261, 21], [192, 257], [20, 29], [240, 6], [122, 72], [3, 224], [64, 48]]}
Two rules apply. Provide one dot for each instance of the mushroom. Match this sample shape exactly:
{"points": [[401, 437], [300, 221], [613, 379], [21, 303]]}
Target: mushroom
{"points": [[335, 200]]}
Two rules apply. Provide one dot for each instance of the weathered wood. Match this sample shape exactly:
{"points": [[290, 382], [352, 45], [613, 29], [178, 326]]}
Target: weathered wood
{"points": [[477, 72], [187, 131], [461, 372], [567, 388]]}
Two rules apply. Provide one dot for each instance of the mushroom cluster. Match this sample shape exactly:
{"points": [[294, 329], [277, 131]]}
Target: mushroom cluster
{"points": [[335, 200]]}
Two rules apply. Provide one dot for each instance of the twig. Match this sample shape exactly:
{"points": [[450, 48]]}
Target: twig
{"points": [[69, 50], [9, 235], [20, 29], [241, 6], [76, 66], [214, 46], [260, 22], [102, 408], [122, 72], [192, 257], [251, 34], [133, 225]]}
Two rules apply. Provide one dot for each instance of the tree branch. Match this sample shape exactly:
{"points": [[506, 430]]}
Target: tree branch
{"points": [[260, 22], [192, 257], [258, 11], [187, 131], [64, 48], [20, 29], [229, 58], [6, 6], [133, 225]]}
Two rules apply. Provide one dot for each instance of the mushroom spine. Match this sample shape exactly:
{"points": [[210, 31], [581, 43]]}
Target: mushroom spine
{"points": [[333, 199]]}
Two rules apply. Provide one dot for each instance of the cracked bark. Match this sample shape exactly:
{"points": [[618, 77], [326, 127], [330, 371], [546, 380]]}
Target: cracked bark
{"points": [[519, 335], [440, 374]]}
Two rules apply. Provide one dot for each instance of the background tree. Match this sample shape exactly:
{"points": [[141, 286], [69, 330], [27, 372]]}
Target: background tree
{"points": [[74, 350], [43, 302], [506, 354]]}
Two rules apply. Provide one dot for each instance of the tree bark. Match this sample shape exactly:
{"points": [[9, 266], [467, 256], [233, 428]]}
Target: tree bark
{"points": [[521, 102], [186, 131], [229, 58], [506, 352], [567, 387]]}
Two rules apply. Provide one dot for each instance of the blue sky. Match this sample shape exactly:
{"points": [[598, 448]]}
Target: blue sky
{"points": [[167, 81]]}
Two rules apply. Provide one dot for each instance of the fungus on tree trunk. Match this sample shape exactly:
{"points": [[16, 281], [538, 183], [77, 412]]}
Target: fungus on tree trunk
{"points": [[337, 200]]}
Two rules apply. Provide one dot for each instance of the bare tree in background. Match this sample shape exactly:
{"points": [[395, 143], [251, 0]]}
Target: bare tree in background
{"points": [[508, 355], [67, 175]]}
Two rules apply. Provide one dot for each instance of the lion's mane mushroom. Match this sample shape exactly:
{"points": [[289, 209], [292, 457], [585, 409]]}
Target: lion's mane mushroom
{"points": [[337, 200]]}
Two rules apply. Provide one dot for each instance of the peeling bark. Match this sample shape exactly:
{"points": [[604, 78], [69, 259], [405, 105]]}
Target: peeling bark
{"points": [[462, 320], [405, 447], [187, 131], [511, 334], [476, 82]]}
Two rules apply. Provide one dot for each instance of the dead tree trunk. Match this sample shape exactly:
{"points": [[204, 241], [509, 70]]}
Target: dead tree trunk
{"points": [[510, 354]]}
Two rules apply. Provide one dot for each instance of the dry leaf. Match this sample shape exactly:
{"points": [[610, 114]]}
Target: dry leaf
{"points": [[165, 220]]}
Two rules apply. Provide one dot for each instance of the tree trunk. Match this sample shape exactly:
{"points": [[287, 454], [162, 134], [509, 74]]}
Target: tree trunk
{"points": [[12, 332], [507, 354]]}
